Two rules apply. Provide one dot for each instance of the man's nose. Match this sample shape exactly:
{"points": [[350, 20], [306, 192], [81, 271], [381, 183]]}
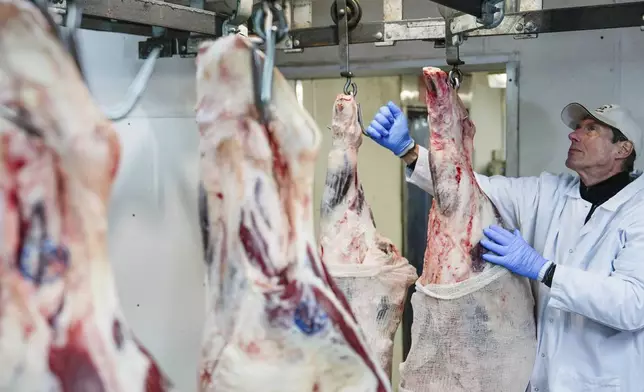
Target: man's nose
{"points": [[573, 136]]}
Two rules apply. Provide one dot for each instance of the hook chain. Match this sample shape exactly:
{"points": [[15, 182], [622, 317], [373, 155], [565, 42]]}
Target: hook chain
{"points": [[270, 17], [341, 9], [350, 88]]}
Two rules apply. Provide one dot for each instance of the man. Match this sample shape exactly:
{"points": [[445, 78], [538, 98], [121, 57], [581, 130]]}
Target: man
{"points": [[584, 241]]}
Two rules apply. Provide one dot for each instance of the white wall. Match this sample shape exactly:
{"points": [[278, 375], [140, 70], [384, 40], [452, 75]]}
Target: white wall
{"points": [[154, 238], [592, 67]]}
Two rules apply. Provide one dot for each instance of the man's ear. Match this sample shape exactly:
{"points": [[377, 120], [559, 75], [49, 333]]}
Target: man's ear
{"points": [[625, 149]]}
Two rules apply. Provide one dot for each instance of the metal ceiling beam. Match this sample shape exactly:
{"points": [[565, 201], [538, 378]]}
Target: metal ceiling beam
{"points": [[152, 13], [557, 20], [470, 7], [610, 16], [524, 24], [101, 24]]}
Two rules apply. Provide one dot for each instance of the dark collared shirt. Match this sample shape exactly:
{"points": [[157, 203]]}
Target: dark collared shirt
{"points": [[601, 192]]}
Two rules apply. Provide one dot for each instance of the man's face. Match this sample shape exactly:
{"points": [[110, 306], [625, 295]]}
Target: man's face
{"points": [[591, 147]]}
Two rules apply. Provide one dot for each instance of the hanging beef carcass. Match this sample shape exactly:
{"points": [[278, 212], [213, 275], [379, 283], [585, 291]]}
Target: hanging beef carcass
{"points": [[368, 268], [276, 321], [473, 325], [61, 325]]}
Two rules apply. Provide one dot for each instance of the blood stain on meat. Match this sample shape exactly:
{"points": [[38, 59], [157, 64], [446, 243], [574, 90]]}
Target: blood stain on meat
{"points": [[117, 333], [204, 225], [73, 365]]}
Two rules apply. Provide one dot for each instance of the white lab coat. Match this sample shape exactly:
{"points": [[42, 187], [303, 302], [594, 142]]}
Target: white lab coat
{"points": [[591, 322]]}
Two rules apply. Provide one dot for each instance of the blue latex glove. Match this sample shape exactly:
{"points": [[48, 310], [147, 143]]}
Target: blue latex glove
{"points": [[512, 252], [389, 129]]}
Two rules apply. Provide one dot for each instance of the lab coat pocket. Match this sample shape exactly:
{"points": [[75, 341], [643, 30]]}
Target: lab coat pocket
{"points": [[569, 380]]}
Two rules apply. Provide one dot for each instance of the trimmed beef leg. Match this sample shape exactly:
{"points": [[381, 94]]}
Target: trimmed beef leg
{"points": [[473, 327], [276, 321], [460, 209], [367, 266], [61, 325]]}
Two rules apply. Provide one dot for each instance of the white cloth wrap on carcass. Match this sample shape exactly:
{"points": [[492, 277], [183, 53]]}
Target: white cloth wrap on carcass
{"points": [[477, 335], [376, 294]]}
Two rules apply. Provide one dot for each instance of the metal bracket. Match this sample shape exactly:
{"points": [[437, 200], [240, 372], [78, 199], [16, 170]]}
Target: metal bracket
{"points": [[178, 46], [452, 45], [452, 53], [234, 24], [58, 8], [493, 13], [298, 13], [392, 10], [522, 27], [490, 10]]}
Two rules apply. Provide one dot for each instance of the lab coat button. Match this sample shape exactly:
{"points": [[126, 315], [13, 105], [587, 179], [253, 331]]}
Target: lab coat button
{"points": [[543, 355], [570, 250], [551, 320]]}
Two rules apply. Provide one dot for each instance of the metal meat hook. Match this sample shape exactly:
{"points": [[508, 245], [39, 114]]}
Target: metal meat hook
{"points": [[350, 88], [137, 87], [455, 77], [452, 45], [235, 23], [67, 37], [360, 121], [135, 90], [263, 71], [341, 9]]}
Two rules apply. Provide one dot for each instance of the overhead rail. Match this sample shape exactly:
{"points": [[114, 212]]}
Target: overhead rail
{"points": [[185, 26], [522, 23]]}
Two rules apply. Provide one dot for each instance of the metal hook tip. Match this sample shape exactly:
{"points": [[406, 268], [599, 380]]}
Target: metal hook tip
{"points": [[350, 88], [455, 77]]}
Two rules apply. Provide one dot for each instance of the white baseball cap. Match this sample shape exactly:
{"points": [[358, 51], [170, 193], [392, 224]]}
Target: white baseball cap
{"points": [[612, 115]]}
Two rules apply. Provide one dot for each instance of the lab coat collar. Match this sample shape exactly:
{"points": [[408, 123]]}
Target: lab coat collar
{"points": [[620, 198]]}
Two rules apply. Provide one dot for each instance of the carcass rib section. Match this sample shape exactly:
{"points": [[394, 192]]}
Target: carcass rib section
{"points": [[61, 325], [473, 326], [276, 321], [367, 267]]}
